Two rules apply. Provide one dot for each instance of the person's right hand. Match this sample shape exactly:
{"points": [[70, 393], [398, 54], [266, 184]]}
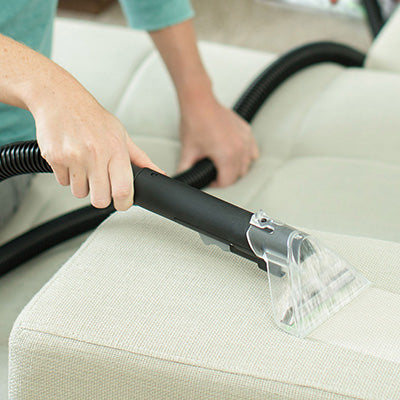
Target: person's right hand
{"points": [[87, 147]]}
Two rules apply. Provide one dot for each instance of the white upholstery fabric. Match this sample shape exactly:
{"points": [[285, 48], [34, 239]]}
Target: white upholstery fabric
{"points": [[144, 310]]}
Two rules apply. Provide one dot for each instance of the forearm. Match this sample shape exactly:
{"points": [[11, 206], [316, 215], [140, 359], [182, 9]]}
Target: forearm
{"points": [[30, 80], [178, 47], [14, 63]]}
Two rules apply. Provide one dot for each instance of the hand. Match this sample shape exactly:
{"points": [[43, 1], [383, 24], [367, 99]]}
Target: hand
{"points": [[207, 128], [211, 130], [87, 147]]}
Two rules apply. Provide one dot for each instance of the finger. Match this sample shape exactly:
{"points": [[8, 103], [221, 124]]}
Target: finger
{"points": [[188, 158], [255, 152], [78, 181], [121, 179], [61, 173], [213, 184], [140, 158], [99, 185], [227, 173], [245, 167]]}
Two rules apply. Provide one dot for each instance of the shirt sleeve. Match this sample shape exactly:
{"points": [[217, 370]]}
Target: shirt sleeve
{"points": [[151, 15]]}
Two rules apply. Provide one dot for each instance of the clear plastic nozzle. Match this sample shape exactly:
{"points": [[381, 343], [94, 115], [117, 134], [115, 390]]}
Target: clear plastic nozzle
{"points": [[314, 282]]}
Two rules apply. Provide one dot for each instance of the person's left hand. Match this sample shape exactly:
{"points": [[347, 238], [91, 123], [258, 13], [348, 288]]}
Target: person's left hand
{"points": [[214, 131]]}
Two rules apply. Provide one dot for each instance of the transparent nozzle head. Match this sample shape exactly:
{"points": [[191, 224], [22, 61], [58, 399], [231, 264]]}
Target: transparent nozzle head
{"points": [[314, 284]]}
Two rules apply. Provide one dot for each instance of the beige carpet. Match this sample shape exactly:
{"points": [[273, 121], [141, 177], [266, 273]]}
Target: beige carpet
{"points": [[249, 23]]}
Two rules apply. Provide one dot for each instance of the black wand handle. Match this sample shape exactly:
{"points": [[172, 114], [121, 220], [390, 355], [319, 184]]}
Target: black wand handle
{"points": [[193, 208]]}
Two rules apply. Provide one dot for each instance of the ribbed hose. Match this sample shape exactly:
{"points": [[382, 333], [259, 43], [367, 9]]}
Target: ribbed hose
{"points": [[21, 158], [374, 16], [287, 65], [25, 157], [49, 234]]}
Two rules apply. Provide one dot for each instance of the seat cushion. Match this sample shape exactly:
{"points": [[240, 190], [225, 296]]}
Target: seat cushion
{"points": [[145, 310]]}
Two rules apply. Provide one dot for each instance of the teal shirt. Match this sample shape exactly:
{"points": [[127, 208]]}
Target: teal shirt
{"points": [[31, 22], [151, 15]]}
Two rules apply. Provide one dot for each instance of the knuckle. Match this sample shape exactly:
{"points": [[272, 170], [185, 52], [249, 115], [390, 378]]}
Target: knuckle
{"points": [[115, 142], [53, 157], [230, 153], [81, 153], [74, 155], [122, 192], [91, 150]]}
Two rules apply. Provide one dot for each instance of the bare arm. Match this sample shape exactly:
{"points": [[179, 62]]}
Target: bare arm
{"points": [[86, 146], [207, 128]]}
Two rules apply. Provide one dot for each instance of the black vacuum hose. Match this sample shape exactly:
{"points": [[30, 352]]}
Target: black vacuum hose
{"points": [[24, 157], [287, 65], [374, 16]]}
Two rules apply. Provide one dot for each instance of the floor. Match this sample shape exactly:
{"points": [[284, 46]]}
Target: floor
{"points": [[258, 24]]}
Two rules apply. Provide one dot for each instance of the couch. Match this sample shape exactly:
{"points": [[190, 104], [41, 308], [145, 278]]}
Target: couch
{"points": [[142, 309]]}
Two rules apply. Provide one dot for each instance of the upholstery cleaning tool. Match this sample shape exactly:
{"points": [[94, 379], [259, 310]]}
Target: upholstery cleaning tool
{"points": [[308, 283]]}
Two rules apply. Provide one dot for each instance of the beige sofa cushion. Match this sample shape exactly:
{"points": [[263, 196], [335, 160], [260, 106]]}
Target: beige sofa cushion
{"points": [[145, 310]]}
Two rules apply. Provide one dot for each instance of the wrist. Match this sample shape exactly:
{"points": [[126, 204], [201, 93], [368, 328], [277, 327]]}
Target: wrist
{"points": [[43, 91], [195, 91], [55, 89]]}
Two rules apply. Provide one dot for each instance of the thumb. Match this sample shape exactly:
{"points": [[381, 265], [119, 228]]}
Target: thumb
{"points": [[140, 158], [188, 158]]}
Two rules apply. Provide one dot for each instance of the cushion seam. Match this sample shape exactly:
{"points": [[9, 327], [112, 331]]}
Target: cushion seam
{"points": [[139, 67]]}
